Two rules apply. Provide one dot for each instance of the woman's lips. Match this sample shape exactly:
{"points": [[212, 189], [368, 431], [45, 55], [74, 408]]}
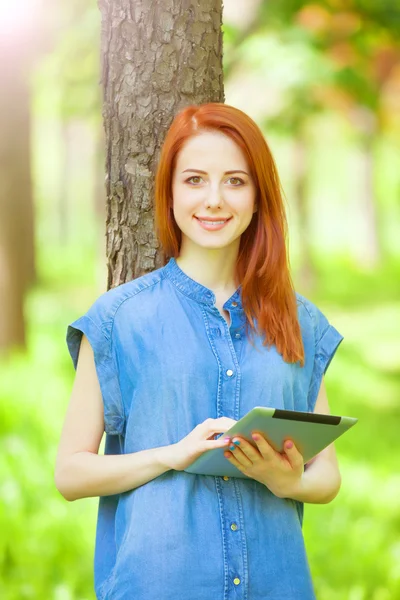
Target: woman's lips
{"points": [[212, 225]]}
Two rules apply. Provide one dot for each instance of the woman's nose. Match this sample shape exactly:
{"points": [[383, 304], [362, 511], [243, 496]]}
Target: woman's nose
{"points": [[214, 199]]}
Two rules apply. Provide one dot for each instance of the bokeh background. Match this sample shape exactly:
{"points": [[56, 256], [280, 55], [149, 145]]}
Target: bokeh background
{"points": [[322, 79]]}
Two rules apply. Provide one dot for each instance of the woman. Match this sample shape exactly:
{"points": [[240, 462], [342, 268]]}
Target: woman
{"points": [[168, 361]]}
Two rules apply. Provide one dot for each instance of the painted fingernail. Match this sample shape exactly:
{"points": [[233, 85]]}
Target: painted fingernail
{"points": [[289, 445], [226, 440], [255, 436], [237, 442], [232, 447], [226, 454]]}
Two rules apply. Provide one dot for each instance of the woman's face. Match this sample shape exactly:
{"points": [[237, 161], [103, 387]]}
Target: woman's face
{"points": [[213, 192]]}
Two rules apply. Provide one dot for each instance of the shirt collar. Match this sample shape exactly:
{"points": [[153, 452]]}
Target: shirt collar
{"points": [[195, 290]]}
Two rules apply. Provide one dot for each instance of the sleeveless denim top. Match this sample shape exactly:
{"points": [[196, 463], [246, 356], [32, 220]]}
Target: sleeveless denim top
{"points": [[164, 357]]}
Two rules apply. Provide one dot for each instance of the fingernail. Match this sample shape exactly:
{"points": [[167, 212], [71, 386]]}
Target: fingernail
{"points": [[226, 440], [255, 436], [237, 442], [232, 447], [289, 445]]}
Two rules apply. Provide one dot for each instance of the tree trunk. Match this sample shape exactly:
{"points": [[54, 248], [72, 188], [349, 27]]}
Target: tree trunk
{"points": [[16, 206], [369, 256], [368, 248], [12, 285], [157, 57], [306, 270], [63, 208]]}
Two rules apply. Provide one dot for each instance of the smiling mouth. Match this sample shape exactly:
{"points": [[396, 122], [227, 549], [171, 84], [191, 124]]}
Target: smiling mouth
{"points": [[213, 221], [208, 224]]}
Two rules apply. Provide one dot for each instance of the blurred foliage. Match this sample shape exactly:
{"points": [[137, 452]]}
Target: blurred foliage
{"points": [[69, 70], [354, 543], [45, 542], [345, 55]]}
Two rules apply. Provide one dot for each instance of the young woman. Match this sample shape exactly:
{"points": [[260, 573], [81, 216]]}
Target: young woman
{"points": [[168, 361]]}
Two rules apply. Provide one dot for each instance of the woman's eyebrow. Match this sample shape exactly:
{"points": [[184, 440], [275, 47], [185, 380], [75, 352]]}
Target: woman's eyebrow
{"points": [[205, 172]]}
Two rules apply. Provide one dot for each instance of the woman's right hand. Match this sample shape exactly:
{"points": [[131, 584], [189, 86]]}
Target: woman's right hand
{"points": [[182, 454]]}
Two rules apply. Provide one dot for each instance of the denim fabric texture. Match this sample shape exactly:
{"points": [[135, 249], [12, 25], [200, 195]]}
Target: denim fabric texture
{"points": [[164, 356]]}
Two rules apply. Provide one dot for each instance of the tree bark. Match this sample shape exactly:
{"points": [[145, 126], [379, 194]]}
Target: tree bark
{"points": [[157, 57]]}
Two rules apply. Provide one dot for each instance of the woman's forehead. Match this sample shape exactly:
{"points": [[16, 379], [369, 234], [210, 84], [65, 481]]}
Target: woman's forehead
{"points": [[210, 149]]}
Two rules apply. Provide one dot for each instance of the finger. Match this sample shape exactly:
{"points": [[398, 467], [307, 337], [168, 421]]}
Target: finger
{"points": [[265, 449], [239, 455], [221, 422], [217, 425], [226, 420], [248, 449], [294, 456], [216, 436], [234, 461], [212, 444], [224, 423]]}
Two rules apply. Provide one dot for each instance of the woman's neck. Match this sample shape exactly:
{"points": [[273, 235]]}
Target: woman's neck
{"points": [[215, 269]]}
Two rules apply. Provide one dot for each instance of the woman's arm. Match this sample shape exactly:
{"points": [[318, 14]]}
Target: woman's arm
{"points": [[81, 472], [321, 480]]}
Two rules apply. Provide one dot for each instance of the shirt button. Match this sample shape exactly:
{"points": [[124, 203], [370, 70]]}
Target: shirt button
{"points": [[234, 304], [225, 478], [229, 372], [237, 336], [236, 581], [234, 526]]}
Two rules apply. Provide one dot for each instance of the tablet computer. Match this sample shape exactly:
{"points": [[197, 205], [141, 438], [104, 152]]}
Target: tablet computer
{"points": [[310, 432]]}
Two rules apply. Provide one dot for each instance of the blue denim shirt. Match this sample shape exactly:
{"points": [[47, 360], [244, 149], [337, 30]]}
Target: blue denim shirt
{"points": [[164, 356]]}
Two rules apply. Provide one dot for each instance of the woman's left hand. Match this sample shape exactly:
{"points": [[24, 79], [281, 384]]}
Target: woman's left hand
{"points": [[281, 473]]}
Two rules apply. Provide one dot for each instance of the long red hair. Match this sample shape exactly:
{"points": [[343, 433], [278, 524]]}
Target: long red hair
{"points": [[262, 267]]}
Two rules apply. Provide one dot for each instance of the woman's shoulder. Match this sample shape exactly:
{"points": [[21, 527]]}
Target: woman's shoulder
{"points": [[316, 324], [105, 308], [305, 308], [310, 317]]}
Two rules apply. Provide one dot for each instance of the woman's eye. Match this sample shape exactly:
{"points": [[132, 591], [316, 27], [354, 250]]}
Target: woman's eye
{"points": [[190, 180], [196, 179], [237, 180]]}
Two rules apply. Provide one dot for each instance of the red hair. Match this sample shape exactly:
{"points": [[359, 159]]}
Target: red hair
{"points": [[262, 266]]}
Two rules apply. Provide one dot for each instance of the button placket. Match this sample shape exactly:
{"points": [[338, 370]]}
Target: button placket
{"points": [[235, 552]]}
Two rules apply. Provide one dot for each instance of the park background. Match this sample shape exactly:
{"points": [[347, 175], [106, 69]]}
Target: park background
{"points": [[322, 79]]}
